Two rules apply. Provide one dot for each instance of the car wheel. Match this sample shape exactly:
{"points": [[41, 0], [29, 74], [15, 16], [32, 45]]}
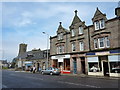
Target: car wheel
{"points": [[42, 73], [51, 73]]}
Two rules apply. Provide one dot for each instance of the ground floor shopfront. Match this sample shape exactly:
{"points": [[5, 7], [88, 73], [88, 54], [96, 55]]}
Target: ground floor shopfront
{"points": [[62, 62], [28, 64], [75, 63], [105, 63], [102, 63]]}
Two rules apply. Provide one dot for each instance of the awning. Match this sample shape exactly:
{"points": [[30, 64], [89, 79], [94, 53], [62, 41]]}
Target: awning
{"points": [[92, 59], [114, 58], [29, 64]]}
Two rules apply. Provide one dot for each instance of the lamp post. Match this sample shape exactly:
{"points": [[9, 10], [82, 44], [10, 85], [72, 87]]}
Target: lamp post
{"points": [[47, 46]]}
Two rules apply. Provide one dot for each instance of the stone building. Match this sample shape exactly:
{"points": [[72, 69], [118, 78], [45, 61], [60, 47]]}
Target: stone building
{"points": [[27, 59], [92, 50]]}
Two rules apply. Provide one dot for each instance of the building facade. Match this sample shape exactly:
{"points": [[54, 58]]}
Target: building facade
{"points": [[27, 59], [92, 50]]}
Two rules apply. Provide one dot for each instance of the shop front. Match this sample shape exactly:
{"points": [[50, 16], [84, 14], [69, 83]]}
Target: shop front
{"points": [[114, 61], [103, 64], [28, 65], [62, 62]]}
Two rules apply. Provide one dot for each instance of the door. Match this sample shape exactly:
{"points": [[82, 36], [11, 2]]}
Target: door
{"points": [[82, 64], [74, 66], [106, 69]]}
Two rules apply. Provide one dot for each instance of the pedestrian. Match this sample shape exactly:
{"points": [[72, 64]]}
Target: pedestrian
{"points": [[31, 69], [39, 69], [34, 69]]}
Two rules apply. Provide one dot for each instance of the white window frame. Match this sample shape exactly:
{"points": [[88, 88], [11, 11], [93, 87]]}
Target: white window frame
{"points": [[57, 50], [99, 41], [81, 46], [63, 48], [73, 46], [102, 23], [96, 43], [73, 32], [60, 36], [60, 49], [96, 24], [80, 30], [107, 41]]}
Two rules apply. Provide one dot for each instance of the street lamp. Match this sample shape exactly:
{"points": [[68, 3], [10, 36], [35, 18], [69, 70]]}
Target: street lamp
{"points": [[47, 46]]}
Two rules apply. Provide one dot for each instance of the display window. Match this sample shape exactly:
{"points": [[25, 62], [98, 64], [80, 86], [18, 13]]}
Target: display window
{"points": [[93, 67], [115, 67]]}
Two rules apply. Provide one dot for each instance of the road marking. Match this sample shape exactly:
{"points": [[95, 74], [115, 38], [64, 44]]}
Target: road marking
{"points": [[4, 86], [79, 84]]}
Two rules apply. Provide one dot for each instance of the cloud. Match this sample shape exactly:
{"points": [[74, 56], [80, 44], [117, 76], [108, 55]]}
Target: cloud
{"points": [[25, 22]]}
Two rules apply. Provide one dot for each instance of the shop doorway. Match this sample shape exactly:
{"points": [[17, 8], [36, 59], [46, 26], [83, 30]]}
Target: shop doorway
{"points": [[82, 65], [38, 65], [106, 69], [74, 66]]}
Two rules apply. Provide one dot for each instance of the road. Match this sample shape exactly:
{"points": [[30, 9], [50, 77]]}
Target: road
{"points": [[14, 79]]}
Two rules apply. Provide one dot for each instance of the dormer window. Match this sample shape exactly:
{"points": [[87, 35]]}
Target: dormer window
{"points": [[102, 24], [80, 30], [99, 24], [60, 36], [96, 25], [73, 33]]}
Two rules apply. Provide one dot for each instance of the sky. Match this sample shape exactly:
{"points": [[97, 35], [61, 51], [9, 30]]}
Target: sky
{"points": [[24, 22]]}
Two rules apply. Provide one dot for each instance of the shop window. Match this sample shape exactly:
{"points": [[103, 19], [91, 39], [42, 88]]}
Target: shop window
{"points": [[66, 64], [93, 67], [115, 67]]}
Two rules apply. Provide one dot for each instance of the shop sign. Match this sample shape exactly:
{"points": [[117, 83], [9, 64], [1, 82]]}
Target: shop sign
{"points": [[102, 53], [60, 56], [60, 60]]}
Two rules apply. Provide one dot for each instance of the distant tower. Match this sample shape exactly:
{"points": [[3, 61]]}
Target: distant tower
{"points": [[117, 10], [22, 48]]}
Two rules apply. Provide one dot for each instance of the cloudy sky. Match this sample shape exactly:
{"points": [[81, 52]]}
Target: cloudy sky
{"points": [[24, 22]]}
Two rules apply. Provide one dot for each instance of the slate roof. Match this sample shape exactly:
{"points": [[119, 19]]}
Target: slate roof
{"points": [[33, 55]]}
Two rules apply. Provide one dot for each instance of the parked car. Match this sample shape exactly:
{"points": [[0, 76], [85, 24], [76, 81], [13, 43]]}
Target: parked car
{"points": [[51, 71]]}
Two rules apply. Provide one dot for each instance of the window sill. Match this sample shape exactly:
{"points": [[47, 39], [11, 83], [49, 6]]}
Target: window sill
{"points": [[80, 34], [99, 29], [72, 36]]}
